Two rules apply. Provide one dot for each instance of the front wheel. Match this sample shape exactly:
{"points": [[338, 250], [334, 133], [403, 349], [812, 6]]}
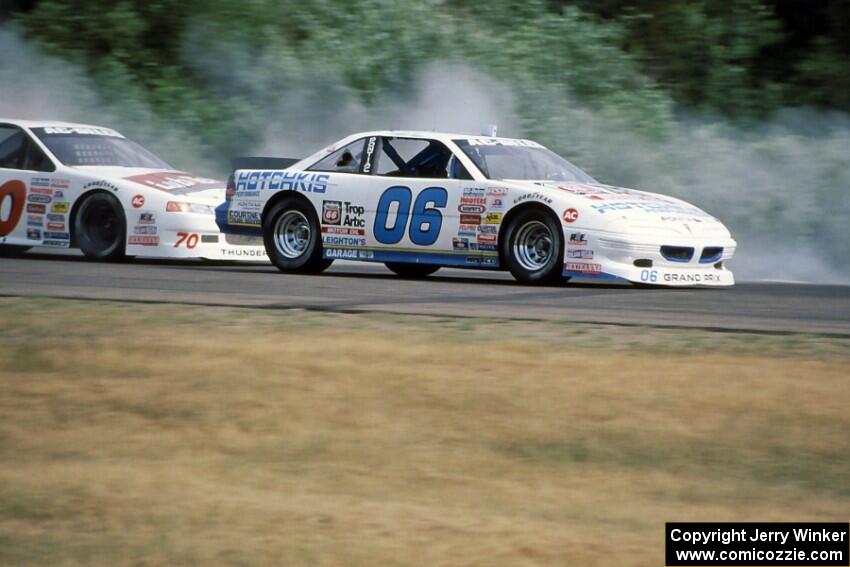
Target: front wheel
{"points": [[293, 238], [533, 247], [100, 229], [406, 270]]}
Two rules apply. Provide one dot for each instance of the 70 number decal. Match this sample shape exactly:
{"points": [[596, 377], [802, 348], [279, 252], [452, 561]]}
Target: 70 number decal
{"points": [[425, 220], [189, 239]]}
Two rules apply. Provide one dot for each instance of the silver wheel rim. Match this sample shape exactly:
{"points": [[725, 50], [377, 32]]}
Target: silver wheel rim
{"points": [[292, 234], [533, 245]]}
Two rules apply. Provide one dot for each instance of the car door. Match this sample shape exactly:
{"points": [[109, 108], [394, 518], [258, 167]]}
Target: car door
{"points": [[25, 188], [416, 201], [344, 205]]}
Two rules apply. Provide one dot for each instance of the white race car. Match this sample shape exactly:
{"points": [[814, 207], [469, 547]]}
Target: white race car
{"points": [[421, 200], [73, 185]]}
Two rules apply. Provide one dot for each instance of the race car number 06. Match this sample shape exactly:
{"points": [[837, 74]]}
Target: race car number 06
{"points": [[425, 221]]}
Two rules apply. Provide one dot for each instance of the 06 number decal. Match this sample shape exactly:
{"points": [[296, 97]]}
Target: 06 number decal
{"points": [[425, 221], [191, 240], [15, 192]]}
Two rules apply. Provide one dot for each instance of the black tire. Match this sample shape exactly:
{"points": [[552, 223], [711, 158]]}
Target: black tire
{"points": [[540, 259], [100, 228], [407, 270], [299, 248], [12, 251]]}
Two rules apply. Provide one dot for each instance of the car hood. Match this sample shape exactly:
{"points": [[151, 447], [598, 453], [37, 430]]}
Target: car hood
{"points": [[178, 183], [621, 209]]}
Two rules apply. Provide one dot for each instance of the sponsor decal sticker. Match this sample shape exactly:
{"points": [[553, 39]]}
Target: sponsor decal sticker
{"points": [[570, 215], [343, 230], [58, 226], [470, 219], [38, 198], [343, 213], [493, 218], [487, 238], [147, 217], [137, 240], [282, 180], [243, 252], [460, 244], [167, 181], [57, 236], [370, 152], [38, 209], [331, 212], [100, 184], [583, 268], [578, 239], [85, 131], [471, 209], [343, 241], [580, 254], [33, 234], [482, 201], [536, 196], [244, 218], [56, 243], [138, 201], [502, 142]]}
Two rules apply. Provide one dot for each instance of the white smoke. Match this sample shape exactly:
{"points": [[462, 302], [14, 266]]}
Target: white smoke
{"points": [[37, 86]]}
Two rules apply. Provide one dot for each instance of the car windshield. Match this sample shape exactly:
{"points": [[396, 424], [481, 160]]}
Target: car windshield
{"points": [[503, 158], [80, 146]]}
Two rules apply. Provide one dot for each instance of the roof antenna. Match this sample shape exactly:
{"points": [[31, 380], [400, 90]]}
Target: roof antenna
{"points": [[490, 130]]}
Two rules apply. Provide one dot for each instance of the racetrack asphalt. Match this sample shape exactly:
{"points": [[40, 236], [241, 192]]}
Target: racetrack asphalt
{"points": [[361, 287]]}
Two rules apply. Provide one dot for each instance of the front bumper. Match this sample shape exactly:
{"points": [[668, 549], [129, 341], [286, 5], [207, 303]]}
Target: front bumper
{"points": [[187, 236], [616, 257]]}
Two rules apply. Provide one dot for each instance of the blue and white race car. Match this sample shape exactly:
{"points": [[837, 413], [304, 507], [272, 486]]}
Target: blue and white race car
{"points": [[417, 201]]}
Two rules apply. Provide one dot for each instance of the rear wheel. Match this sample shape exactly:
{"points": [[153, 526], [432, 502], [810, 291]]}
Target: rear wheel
{"points": [[293, 238], [100, 230], [533, 247], [11, 251], [406, 270]]}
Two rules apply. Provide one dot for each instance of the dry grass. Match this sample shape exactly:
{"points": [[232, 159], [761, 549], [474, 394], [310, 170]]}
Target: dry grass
{"points": [[157, 435]]}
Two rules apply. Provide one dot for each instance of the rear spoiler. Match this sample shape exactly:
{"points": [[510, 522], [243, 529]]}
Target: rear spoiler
{"points": [[262, 162]]}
